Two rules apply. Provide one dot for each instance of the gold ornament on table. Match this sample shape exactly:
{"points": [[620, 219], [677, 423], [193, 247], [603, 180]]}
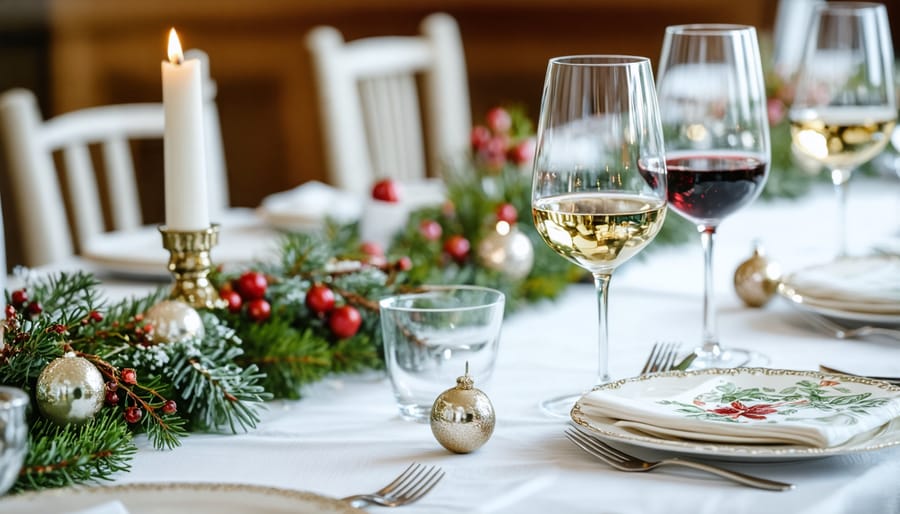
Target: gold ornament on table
{"points": [[462, 418], [174, 321], [756, 279], [190, 264], [507, 250], [70, 390]]}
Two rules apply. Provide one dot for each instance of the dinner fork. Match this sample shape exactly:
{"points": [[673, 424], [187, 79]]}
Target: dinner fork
{"points": [[624, 462], [662, 358], [842, 332], [409, 486]]}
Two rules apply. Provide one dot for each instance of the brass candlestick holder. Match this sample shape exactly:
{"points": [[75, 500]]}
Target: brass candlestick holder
{"points": [[190, 264]]}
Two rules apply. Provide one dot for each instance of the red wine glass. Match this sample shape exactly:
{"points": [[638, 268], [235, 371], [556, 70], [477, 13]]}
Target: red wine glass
{"points": [[713, 107]]}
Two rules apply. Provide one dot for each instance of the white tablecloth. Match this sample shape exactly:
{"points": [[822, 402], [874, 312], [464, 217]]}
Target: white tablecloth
{"points": [[346, 437]]}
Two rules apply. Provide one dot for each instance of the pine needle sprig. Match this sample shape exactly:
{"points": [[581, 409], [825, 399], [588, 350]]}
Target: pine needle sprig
{"points": [[73, 454]]}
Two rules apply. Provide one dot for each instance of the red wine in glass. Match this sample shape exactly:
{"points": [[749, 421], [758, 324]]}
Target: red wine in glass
{"points": [[707, 187]]}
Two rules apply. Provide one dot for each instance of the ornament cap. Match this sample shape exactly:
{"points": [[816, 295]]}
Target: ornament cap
{"points": [[466, 381]]}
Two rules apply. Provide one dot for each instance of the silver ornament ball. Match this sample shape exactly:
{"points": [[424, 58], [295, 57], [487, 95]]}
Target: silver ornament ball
{"points": [[174, 321], [507, 250], [462, 418], [756, 279], [70, 390]]}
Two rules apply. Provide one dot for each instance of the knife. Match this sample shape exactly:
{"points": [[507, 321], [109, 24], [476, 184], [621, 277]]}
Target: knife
{"points": [[891, 380]]}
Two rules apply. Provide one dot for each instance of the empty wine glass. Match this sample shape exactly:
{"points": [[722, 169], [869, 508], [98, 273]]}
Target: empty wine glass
{"points": [[713, 107], [844, 109], [599, 185]]}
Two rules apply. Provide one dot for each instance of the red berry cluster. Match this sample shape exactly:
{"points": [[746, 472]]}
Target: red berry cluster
{"points": [[374, 256], [456, 246], [247, 293], [19, 302], [134, 413], [494, 143], [344, 321]]}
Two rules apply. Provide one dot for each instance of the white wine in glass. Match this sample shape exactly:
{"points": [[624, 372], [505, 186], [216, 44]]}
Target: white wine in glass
{"points": [[844, 110], [599, 185]]}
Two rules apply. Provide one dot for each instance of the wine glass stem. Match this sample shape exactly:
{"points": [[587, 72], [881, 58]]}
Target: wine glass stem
{"points": [[710, 333], [601, 281], [839, 178]]}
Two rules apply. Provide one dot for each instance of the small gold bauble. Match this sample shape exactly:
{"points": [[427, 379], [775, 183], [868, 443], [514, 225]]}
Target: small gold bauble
{"points": [[756, 279], [70, 390], [462, 418], [174, 321], [507, 250]]}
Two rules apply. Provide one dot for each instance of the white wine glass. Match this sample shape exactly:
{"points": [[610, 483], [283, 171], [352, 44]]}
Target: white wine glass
{"points": [[713, 106], [599, 184], [844, 109]]}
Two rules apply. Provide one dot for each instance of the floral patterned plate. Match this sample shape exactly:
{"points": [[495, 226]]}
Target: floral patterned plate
{"points": [[704, 412]]}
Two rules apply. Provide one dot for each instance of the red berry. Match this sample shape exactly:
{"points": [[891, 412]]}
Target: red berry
{"points": [[19, 298], [345, 321], [430, 230], [133, 414], [34, 309], [129, 376], [320, 299], [403, 264], [259, 310], [494, 153], [522, 153], [57, 328], [480, 136], [457, 247], [499, 120], [252, 285], [507, 212], [386, 190], [235, 302], [112, 398], [10, 311], [169, 407], [371, 248], [112, 386], [95, 316]]}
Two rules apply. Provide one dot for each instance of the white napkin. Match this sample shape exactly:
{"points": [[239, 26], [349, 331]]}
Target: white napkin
{"points": [[110, 507], [380, 220], [864, 279], [307, 206], [743, 409]]}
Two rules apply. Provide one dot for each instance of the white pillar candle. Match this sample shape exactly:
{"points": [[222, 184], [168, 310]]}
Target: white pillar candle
{"points": [[184, 143]]}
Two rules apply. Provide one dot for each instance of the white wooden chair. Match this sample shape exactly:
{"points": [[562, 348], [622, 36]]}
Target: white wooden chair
{"points": [[370, 110], [30, 145]]}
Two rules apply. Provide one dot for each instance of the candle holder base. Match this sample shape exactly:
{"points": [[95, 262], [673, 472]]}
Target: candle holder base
{"points": [[190, 264]]}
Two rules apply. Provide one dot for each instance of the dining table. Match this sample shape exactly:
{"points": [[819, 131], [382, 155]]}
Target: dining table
{"points": [[345, 435]]}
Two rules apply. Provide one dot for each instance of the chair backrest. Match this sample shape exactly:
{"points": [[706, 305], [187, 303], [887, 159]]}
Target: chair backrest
{"points": [[369, 102], [30, 145]]}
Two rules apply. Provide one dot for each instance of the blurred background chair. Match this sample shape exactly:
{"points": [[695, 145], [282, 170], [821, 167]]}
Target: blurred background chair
{"points": [[34, 178], [370, 111]]}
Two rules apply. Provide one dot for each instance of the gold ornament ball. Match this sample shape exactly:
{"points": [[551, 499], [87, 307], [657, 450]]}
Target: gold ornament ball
{"points": [[70, 390], [756, 279], [462, 418], [174, 321], [507, 250]]}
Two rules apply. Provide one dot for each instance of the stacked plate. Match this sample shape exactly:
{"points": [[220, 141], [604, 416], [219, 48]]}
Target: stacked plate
{"points": [[863, 289]]}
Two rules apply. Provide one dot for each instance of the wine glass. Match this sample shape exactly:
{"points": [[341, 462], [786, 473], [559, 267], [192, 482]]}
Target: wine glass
{"points": [[712, 102], [844, 108], [599, 185]]}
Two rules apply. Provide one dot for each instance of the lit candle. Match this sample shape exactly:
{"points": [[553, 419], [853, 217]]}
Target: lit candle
{"points": [[184, 143]]}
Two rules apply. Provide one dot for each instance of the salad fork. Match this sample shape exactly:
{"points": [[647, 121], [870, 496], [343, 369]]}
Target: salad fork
{"points": [[625, 462], [409, 486]]}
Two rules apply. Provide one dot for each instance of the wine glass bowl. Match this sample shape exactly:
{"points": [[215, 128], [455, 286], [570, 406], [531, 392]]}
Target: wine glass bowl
{"points": [[599, 186], [713, 108], [844, 109]]}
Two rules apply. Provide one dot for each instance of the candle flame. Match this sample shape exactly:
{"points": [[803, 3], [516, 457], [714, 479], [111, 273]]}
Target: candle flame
{"points": [[175, 54]]}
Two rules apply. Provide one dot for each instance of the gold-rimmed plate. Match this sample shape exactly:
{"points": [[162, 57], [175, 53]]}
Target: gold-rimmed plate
{"points": [[673, 382], [165, 498]]}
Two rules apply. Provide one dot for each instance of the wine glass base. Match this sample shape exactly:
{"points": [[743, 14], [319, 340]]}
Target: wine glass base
{"points": [[730, 358], [560, 406]]}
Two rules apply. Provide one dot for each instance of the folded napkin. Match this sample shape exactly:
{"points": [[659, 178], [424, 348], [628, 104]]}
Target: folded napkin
{"points": [[110, 507], [748, 408], [873, 280], [309, 204], [381, 221]]}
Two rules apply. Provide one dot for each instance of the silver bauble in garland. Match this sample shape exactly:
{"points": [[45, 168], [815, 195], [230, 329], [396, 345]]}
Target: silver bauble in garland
{"points": [[756, 279], [174, 321], [462, 418], [507, 250], [70, 390]]}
